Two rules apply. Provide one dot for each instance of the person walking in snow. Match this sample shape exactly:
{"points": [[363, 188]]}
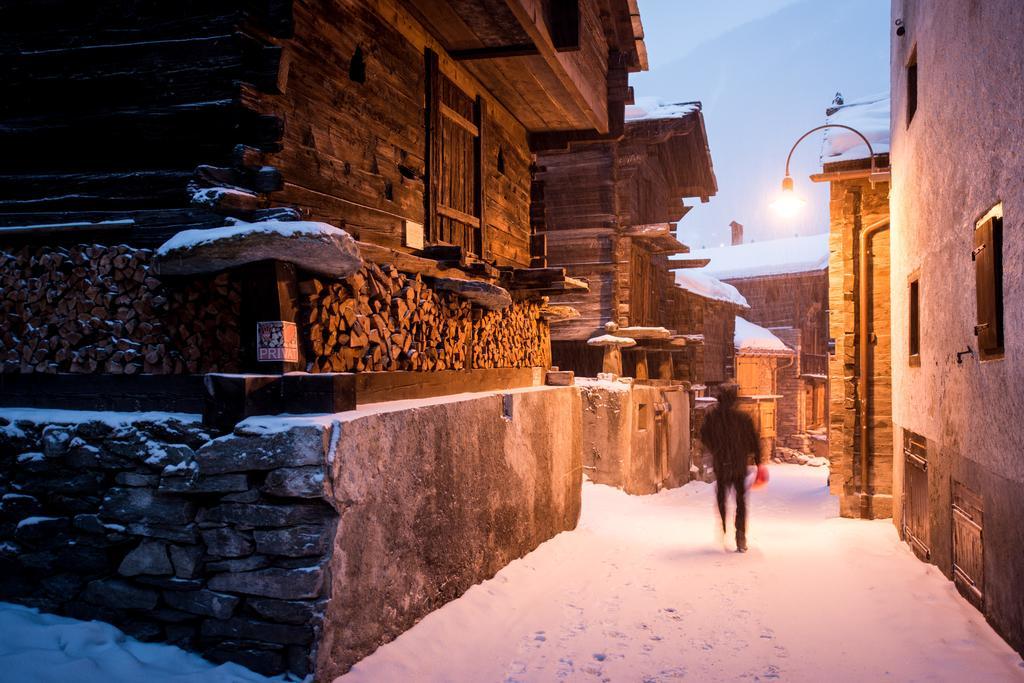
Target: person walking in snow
{"points": [[732, 439]]}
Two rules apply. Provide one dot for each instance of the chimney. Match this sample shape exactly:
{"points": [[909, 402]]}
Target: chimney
{"points": [[737, 233]]}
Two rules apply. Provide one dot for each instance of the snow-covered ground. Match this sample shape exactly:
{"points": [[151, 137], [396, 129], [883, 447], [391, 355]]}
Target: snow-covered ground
{"points": [[44, 648], [643, 591]]}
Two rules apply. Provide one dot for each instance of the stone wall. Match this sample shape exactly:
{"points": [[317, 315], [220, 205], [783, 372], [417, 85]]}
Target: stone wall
{"points": [[854, 205], [956, 159], [236, 547], [789, 415], [141, 520], [635, 437]]}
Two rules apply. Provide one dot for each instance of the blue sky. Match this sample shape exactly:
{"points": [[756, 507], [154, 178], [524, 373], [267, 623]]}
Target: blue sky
{"points": [[765, 71]]}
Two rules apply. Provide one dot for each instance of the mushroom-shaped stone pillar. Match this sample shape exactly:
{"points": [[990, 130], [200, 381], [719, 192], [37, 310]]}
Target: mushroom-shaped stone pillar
{"points": [[612, 351]]}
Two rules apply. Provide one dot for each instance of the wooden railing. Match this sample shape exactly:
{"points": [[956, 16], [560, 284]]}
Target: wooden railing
{"points": [[813, 364]]}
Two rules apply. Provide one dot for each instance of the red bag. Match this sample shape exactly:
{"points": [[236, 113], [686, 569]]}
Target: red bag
{"points": [[761, 480]]}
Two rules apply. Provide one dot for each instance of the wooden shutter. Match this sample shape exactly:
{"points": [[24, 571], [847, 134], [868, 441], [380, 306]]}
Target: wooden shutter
{"points": [[968, 547], [455, 196], [988, 268]]}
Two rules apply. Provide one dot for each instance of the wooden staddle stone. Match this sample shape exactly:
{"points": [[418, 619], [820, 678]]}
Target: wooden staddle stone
{"points": [[665, 366], [641, 365], [315, 247], [612, 361]]}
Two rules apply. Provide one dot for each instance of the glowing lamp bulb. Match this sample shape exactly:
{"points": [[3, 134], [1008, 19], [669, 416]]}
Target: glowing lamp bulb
{"points": [[788, 203]]}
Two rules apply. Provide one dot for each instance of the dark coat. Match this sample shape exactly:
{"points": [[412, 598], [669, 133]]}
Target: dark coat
{"points": [[733, 441]]}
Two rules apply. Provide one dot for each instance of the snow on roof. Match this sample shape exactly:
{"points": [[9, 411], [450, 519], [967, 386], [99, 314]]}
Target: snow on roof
{"points": [[757, 339], [870, 116], [703, 284], [651, 108], [774, 257]]}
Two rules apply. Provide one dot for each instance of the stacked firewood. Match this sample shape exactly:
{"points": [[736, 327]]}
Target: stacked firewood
{"points": [[513, 337], [92, 308], [381, 319]]}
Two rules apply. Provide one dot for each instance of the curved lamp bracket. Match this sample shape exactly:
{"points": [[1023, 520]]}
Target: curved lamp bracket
{"points": [[867, 142]]}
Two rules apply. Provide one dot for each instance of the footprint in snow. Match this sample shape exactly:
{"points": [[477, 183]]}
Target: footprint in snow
{"points": [[540, 636], [600, 656], [768, 634]]}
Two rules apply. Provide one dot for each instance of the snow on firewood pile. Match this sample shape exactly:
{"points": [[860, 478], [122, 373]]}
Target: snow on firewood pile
{"points": [[651, 108], [753, 338], [870, 116], [703, 284], [45, 648], [759, 259]]}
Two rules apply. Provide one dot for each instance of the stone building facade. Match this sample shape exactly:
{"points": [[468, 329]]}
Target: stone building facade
{"points": [[861, 474], [957, 278]]}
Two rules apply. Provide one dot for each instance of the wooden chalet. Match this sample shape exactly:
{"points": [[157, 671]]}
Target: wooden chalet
{"points": [[785, 281], [607, 212], [409, 124], [703, 310], [760, 358]]}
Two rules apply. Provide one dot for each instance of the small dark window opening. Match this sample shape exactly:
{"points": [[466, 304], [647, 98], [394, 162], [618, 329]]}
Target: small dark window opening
{"points": [[357, 67], [501, 161], [912, 86], [988, 273], [389, 191], [915, 323]]}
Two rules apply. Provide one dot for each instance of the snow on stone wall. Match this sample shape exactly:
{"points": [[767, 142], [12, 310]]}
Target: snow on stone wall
{"points": [[141, 520], [293, 543]]}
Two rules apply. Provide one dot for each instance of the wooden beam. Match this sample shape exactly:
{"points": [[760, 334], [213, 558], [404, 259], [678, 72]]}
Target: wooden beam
{"points": [[125, 393], [376, 387], [458, 119], [683, 264], [530, 13], [457, 215], [269, 293], [649, 230], [497, 52], [407, 263]]}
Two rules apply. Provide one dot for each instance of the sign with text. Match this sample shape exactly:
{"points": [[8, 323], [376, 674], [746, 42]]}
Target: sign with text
{"points": [[277, 340]]}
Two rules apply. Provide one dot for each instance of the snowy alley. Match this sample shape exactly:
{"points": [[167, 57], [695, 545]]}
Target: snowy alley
{"points": [[643, 590]]}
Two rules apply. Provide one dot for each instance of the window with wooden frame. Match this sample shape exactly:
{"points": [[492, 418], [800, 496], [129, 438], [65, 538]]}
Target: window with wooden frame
{"points": [[914, 320], [455, 181], [988, 274], [912, 86]]}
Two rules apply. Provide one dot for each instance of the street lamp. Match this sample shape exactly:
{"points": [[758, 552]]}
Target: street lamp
{"points": [[789, 203]]}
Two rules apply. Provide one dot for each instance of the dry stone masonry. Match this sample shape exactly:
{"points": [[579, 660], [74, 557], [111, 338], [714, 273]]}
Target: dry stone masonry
{"points": [[218, 546], [292, 543]]}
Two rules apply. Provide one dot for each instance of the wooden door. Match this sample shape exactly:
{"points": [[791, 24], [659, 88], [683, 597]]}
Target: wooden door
{"points": [[968, 554], [915, 493], [455, 193]]}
